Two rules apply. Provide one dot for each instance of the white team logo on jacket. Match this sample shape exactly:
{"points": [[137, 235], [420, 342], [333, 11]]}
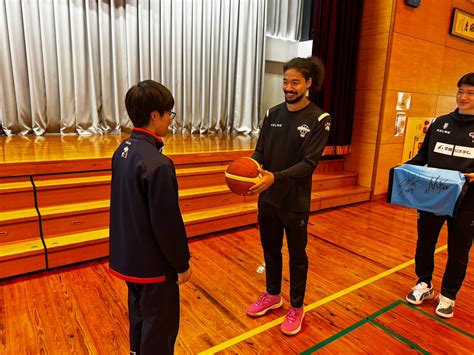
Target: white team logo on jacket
{"points": [[125, 152], [303, 129]]}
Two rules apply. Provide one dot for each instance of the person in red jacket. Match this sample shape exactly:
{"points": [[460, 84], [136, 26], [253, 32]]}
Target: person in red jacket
{"points": [[449, 144], [148, 243]]}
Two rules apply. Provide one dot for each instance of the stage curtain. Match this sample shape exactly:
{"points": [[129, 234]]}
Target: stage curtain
{"points": [[336, 41], [284, 19], [65, 65]]}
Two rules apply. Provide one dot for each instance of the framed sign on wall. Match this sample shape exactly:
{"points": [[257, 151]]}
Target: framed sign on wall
{"points": [[462, 24]]}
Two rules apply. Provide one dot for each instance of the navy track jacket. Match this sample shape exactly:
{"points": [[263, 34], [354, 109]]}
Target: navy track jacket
{"points": [[148, 240]]}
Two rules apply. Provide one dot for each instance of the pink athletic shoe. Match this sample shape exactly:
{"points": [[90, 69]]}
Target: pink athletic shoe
{"points": [[264, 303], [293, 321]]}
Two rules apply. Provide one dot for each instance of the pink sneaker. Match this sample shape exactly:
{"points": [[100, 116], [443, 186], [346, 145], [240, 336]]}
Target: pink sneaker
{"points": [[293, 321], [264, 303]]}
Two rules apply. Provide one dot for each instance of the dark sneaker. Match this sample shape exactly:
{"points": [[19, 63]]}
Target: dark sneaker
{"points": [[445, 307], [264, 303], [293, 321], [422, 291]]}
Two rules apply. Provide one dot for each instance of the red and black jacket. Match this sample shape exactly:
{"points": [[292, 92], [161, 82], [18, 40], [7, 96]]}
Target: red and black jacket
{"points": [[148, 240]]}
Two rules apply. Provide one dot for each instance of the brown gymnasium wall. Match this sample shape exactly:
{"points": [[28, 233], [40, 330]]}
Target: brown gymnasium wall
{"points": [[410, 50]]}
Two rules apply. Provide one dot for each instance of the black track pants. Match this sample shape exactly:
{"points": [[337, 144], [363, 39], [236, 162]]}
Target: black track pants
{"points": [[273, 222], [460, 237]]}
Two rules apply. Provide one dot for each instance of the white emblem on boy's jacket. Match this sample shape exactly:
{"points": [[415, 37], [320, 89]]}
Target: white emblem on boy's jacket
{"points": [[125, 152]]}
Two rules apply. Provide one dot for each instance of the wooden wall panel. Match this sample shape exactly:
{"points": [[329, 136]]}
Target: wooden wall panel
{"points": [[366, 116], [445, 105], [371, 61], [425, 60], [376, 17], [434, 29], [389, 156], [456, 42], [456, 64], [421, 105], [415, 65], [361, 160]]}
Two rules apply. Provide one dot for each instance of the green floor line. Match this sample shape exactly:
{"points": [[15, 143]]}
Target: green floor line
{"points": [[439, 320], [399, 337], [351, 328]]}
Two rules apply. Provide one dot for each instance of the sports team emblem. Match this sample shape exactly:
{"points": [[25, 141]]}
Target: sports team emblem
{"points": [[303, 129], [327, 126], [446, 125], [125, 152]]}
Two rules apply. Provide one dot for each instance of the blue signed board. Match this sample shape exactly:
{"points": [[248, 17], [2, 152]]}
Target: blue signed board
{"points": [[427, 189]]}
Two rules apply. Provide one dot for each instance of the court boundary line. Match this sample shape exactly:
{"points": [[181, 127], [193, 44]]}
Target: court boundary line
{"points": [[371, 320], [244, 336], [368, 320], [439, 320]]}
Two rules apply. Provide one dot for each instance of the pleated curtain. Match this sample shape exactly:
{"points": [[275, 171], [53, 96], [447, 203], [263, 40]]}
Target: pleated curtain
{"points": [[65, 65]]}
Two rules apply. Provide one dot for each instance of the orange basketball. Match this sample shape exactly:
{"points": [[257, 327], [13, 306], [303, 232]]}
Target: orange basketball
{"points": [[241, 174]]}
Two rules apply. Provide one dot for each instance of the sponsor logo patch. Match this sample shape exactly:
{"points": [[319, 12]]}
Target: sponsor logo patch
{"points": [[463, 152], [443, 148]]}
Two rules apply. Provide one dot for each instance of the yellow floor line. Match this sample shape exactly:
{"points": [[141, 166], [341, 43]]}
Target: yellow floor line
{"points": [[266, 326]]}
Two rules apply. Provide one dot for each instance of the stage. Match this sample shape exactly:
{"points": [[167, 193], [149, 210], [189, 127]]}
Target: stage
{"points": [[36, 155]]}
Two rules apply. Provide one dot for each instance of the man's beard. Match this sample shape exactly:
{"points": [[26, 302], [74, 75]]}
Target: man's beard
{"points": [[294, 100]]}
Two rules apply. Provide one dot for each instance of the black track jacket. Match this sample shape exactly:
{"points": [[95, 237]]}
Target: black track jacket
{"points": [[449, 144], [148, 241], [290, 145]]}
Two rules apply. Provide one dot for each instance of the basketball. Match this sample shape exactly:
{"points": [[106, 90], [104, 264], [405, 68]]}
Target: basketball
{"points": [[242, 174]]}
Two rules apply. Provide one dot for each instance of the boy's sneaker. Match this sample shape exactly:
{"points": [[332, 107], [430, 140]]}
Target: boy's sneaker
{"points": [[422, 291], [293, 321], [264, 303], [445, 307]]}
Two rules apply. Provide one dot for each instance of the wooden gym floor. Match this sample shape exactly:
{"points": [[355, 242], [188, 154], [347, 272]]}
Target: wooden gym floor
{"points": [[361, 267]]}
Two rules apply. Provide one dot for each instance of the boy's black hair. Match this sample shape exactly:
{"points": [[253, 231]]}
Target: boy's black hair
{"points": [[311, 67], [144, 98], [466, 79]]}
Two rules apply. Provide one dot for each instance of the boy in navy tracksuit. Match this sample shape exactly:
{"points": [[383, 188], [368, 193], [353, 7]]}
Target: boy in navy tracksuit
{"points": [[148, 243]]}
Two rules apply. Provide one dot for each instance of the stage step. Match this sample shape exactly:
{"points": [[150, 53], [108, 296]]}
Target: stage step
{"points": [[21, 257], [207, 197], [328, 181], [63, 189], [16, 194], [77, 247], [21, 248], [342, 196], [220, 218], [74, 218], [200, 177]]}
